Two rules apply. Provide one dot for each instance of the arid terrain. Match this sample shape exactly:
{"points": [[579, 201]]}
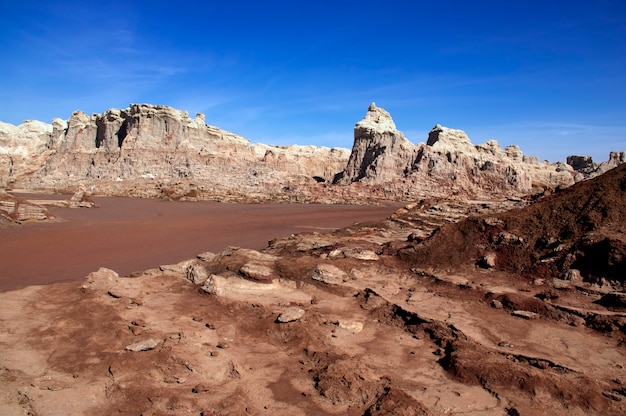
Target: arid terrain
{"points": [[494, 284], [447, 306]]}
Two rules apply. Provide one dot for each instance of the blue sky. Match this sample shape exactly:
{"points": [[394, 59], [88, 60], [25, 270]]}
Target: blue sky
{"points": [[549, 76]]}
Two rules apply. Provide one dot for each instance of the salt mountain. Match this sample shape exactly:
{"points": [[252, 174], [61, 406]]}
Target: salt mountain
{"points": [[158, 151]]}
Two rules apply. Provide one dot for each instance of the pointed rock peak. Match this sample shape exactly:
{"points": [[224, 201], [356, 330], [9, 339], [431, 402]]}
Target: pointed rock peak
{"points": [[377, 119]]}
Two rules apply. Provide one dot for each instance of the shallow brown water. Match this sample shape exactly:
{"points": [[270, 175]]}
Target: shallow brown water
{"points": [[127, 235]]}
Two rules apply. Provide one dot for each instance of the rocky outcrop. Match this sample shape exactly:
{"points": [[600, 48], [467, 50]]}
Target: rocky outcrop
{"points": [[156, 146], [81, 199], [449, 164], [586, 168], [158, 151], [25, 148], [380, 152], [18, 210]]}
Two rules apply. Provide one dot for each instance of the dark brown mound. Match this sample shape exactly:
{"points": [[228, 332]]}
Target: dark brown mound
{"points": [[472, 364], [395, 402], [582, 227]]}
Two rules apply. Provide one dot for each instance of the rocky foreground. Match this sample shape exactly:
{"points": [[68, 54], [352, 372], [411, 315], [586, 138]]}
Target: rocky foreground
{"points": [[158, 151], [443, 308], [468, 301]]}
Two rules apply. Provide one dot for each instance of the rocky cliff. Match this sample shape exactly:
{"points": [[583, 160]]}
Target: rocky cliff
{"points": [[449, 164], [158, 151], [151, 150], [586, 168]]}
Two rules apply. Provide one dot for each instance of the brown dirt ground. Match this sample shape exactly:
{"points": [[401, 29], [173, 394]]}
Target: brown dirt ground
{"points": [[389, 336]]}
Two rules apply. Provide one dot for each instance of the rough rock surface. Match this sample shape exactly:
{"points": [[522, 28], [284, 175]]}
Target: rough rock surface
{"points": [[380, 152], [586, 168], [329, 274], [449, 164], [17, 210], [290, 315], [81, 199], [158, 151]]}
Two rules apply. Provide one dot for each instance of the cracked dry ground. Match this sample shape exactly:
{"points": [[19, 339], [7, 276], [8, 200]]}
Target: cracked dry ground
{"points": [[377, 336]]}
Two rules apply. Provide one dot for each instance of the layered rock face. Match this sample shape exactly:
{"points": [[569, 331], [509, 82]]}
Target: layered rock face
{"points": [[18, 210], [145, 149], [449, 164], [158, 151]]}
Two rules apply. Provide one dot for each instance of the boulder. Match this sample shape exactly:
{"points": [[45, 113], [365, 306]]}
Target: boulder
{"points": [[257, 272], [146, 345], [329, 274], [290, 315], [81, 199], [101, 279], [488, 261], [359, 254], [207, 256], [351, 326], [196, 273], [178, 269], [525, 314], [573, 275], [225, 285], [561, 284]]}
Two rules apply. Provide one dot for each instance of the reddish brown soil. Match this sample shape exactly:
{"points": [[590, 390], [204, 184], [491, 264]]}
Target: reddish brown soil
{"points": [[386, 332], [582, 227], [128, 235]]}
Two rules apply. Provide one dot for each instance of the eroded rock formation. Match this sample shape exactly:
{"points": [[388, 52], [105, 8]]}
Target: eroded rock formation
{"points": [[449, 164], [158, 151], [145, 150], [586, 168], [380, 152], [18, 210]]}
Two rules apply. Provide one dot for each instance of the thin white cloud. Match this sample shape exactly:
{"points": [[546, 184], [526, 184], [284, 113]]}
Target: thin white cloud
{"points": [[331, 139]]}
